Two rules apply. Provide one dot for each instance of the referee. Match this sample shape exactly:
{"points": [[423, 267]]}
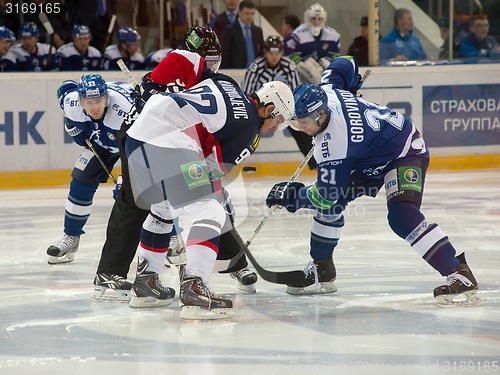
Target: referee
{"points": [[273, 66]]}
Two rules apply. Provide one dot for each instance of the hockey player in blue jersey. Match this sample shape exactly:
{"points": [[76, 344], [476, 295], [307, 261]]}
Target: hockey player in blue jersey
{"points": [[29, 55], [79, 55], [7, 39], [360, 147], [127, 49], [93, 110]]}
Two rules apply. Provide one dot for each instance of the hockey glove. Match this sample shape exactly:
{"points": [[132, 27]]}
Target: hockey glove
{"points": [[118, 186], [285, 194]]}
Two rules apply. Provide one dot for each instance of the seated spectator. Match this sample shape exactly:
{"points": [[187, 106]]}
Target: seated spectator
{"points": [[29, 55], [359, 47], [478, 43], [7, 39], [313, 38], [290, 23], [243, 41], [126, 49], [444, 51], [401, 44], [79, 54]]}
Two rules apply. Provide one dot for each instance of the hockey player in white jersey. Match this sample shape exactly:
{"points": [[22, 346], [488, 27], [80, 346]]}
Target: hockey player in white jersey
{"points": [[93, 110], [127, 49], [79, 54], [361, 146], [178, 149]]}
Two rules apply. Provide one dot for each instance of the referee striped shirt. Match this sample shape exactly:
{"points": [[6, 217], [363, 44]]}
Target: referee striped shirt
{"points": [[259, 73]]}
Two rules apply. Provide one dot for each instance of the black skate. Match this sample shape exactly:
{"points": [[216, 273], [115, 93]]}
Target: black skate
{"points": [[198, 302], [245, 280], [113, 288], [461, 286], [319, 279], [176, 254], [147, 290], [64, 251]]}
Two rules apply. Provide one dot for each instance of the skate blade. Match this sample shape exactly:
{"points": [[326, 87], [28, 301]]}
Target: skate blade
{"points": [[175, 260], [103, 294], [145, 302], [67, 258], [199, 313], [325, 288], [246, 288], [468, 298]]}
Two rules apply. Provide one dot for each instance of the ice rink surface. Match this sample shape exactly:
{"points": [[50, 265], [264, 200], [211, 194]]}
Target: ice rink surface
{"points": [[382, 319]]}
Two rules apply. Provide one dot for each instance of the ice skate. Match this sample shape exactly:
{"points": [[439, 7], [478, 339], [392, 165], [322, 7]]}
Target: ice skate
{"points": [[64, 251], [113, 288], [460, 288], [176, 253], [198, 302], [245, 280], [319, 279], [147, 290]]}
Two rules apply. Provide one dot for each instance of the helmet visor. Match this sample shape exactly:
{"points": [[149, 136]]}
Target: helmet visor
{"points": [[213, 62]]}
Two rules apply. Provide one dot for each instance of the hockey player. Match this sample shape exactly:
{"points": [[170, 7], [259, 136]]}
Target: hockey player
{"points": [[202, 132], [79, 54], [126, 49], [93, 110], [361, 146], [7, 39], [29, 55], [126, 219]]}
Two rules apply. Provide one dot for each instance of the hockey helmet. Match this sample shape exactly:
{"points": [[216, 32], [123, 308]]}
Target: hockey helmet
{"points": [[279, 94], [7, 34], [81, 31], [28, 30], [92, 86], [204, 41], [315, 17], [127, 35], [273, 43], [309, 101]]}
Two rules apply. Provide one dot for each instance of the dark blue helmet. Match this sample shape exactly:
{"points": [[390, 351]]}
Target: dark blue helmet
{"points": [[309, 101], [92, 86], [81, 31], [7, 34], [28, 29], [128, 35]]}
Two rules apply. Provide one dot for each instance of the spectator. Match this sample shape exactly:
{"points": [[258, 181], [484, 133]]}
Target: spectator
{"points": [[478, 43], [29, 55], [7, 39], [290, 23], [444, 51], [79, 54], [127, 49], [313, 38], [273, 66], [226, 18], [359, 47], [241, 33], [401, 44]]}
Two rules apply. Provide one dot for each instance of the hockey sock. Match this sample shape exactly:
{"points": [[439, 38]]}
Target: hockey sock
{"points": [[155, 238], [78, 207], [202, 247], [325, 234]]}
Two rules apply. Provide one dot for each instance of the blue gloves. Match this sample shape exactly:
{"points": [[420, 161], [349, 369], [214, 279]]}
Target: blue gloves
{"points": [[118, 186], [285, 194]]}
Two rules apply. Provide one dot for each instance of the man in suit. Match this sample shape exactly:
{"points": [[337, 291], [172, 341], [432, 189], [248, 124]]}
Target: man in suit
{"points": [[242, 42], [226, 18]]}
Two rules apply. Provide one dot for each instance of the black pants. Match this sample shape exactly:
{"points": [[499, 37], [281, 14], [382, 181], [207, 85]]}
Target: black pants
{"points": [[125, 223]]}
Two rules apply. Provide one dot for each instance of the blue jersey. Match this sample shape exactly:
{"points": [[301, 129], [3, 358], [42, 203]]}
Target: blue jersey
{"points": [[112, 55], [103, 132], [359, 136], [69, 58], [302, 41], [394, 44], [20, 60]]}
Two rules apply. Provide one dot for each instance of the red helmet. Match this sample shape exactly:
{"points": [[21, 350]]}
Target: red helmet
{"points": [[204, 41]]}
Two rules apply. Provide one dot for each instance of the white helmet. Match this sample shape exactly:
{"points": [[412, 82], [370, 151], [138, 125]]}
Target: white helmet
{"points": [[318, 12], [279, 94]]}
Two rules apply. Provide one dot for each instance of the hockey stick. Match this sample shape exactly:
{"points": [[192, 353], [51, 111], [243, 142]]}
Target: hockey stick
{"points": [[50, 30], [92, 148], [130, 78], [367, 74], [271, 210], [108, 38]]}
